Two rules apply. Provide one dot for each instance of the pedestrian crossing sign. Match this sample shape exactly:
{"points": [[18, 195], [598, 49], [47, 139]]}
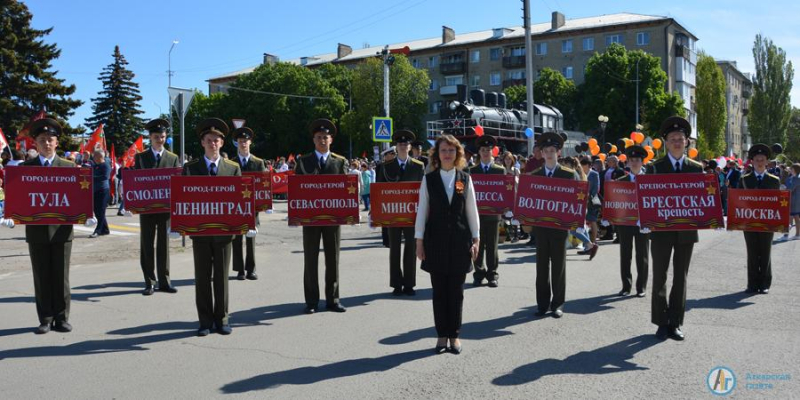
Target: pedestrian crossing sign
{"points": [[382, 129]]}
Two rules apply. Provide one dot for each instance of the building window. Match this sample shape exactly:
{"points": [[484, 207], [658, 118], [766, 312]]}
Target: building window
{"points": [[475, 80], [433, 108], [434, 84], [642, 38], [518, 51], [516, 74], [494, 79], [613, 39], [432, 62], [453, 80], [566, 46], [588, 44], [475, 56], [541, 49], [495, 54], [567, 72], [415, 63]]}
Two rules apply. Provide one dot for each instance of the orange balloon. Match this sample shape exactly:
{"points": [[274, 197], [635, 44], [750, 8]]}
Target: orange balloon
{"points": [[602, 157], [657, 143], [478, 130], [633, 135], [647, 159], [651, 153], [592, 143], [628, 142], [613, 149], [639, 137], [693, 153], [648, 148], [623, 157], [594, 149]]}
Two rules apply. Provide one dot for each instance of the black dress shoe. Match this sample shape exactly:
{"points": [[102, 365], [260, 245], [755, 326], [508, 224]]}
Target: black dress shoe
{"points": [[440, 349], [764, 291], [662, 333], [240, 276], [624, 292], [675, 333], [541, 313], [224, 329], [493, 283], [252, 276], [558, 313], [593, 252], [335, 307], [148, 291], [455, 349], [409, 291], [615, 241], [310, 310], [167, 289], [477, 282], [640, 294], [203, 332], [43, 328], [62, 326], [397, 291]]}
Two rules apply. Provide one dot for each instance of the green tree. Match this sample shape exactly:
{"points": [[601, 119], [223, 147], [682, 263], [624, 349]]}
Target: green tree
{"points": [[770, 106], [551, 88], [610, 89], [516, 95], [117, 105], [202, 107], [27, 83], [711, 107], [792, 148], [408, 95]]}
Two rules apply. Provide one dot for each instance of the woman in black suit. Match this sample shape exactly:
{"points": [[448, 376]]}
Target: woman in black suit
{"points": [[447, 232]]}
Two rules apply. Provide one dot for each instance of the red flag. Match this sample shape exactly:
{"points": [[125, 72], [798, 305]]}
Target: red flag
{"points": [[113, 161], [23, 139], [364, 154], [3, 141], [127, 159], [291, 158], [97, 140]]}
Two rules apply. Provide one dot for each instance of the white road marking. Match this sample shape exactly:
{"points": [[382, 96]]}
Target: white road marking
{"points": [[90, 230]]}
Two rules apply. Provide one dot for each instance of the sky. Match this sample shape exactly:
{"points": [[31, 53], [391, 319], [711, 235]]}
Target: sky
{"points": [[218, 37]]}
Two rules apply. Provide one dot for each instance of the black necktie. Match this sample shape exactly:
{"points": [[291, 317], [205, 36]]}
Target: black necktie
{"points": [[760, 179], [550, 174], [321, 163], [212, 169], [243, 161], [158, 159], [46, 163], [677, 166], [485, 169], [402, 168]]}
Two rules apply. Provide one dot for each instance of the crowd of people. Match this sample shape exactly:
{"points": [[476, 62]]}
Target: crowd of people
{"points": [[449, 237]]}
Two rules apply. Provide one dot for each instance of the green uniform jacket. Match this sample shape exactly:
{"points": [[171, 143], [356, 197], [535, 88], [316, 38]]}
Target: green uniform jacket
{"points": [[493, 169], [147, 160], [560, 172], [390, 171], [254, 164], [42, 234], [750, 181], [224, 168], [309, 165]]}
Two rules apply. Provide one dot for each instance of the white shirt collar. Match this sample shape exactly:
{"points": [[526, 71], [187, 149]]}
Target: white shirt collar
{"points": [[156, 152], [672, 160], [246, 158], [484, 166], [209, 161], [42, 159], [442, 172], [402, 161], [550, 171], [323, 155], [761, 175]]}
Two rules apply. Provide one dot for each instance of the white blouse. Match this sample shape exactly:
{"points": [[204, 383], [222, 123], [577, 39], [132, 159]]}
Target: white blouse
{"points": [[449, 181]]}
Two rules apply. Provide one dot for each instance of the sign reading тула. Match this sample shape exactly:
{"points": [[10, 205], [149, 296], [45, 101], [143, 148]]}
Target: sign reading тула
{"points": [[382, 129]]}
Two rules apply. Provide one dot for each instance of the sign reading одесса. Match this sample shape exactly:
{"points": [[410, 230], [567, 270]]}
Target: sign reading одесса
{"points": [[493, 193], [323, 200], [620, 204], [146, 191], [48, 196], [551, 202], [394, 204], [210, 206], [262, 186], [758, 210], [677, 202]]}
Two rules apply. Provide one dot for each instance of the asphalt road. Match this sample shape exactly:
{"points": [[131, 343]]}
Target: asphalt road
{"points": [[125, 345]]}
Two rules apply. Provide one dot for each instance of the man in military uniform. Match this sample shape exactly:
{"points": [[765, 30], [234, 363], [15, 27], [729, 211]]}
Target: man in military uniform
{"points": [[50, 246], [759, 244], [628, 234], [402, 168], [490, 224], [212, 254], [551, 253], [678, 245], [416, 152], [246, 267], [321, 161], [154, 226]]}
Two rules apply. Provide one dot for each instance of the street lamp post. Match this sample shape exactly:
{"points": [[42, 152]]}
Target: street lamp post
{"points": [[169, 84], [603, 123], [637, 91]]}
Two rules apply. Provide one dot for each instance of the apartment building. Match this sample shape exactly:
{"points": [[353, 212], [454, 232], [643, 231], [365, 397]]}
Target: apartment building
{"points": [[738, 89]]}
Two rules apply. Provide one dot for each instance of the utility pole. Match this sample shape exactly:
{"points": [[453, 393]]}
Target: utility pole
{"points": [[169, 85], [526, 18], [388, 60], [637, 93]]}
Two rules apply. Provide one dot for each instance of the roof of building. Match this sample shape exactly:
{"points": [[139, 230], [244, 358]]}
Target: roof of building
{"points": [[734, 67], [474, 37]]}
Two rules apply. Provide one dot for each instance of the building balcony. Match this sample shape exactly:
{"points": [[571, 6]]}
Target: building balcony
{"points": [[453, 68], [513, 82], [448, 90], [513, 61], [687, 53]]}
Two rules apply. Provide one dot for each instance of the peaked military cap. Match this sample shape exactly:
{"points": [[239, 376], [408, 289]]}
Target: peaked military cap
{"points": [[212, 125], [485, 141], [243, 133], [757, 149], [403, 136], [417, 143], [322, 125], [551, 139], [636, 151], [675, 124], [45, 125], [158, 125]]}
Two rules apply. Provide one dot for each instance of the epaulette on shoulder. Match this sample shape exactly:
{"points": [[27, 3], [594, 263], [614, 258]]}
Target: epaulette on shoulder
{"points": [[536, 171], [231, 163], [334, 155], [415, 161], [256, 159], [193, 162], [568, 169], [693, 162]]}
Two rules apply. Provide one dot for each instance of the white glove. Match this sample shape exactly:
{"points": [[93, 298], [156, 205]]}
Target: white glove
{"points": [[515, 222], [580, 230], [90, 222], [644, 230], [128, 213], [269, 211], [8, 223], [509, 214], [604, 222], [172, 234], [251, 233]]}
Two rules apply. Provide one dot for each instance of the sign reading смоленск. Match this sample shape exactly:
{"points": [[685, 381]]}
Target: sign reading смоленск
{"points": [[677, 202], [323, 200], [48, 196], [394, 204], [758, 210], [212, 205], [146, 191], [551, 202], [493, 193]]}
